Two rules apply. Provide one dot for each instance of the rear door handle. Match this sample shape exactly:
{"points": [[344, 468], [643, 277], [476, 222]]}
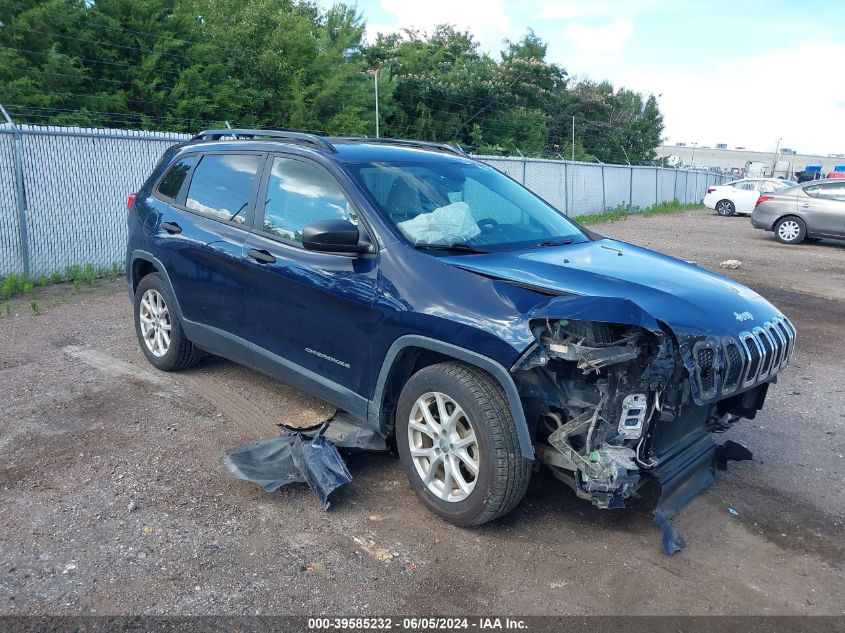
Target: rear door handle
{"points": [[262, 257], [171, 227]]}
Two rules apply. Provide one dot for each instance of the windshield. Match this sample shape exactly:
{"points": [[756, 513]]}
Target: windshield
{"points": [[463, 207]]}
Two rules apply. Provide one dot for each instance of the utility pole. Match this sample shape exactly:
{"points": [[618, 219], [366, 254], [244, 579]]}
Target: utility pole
{"points": [[692, 159], [777, 156], [23, 231], [573, 138], [375, 83], [6, 115]]}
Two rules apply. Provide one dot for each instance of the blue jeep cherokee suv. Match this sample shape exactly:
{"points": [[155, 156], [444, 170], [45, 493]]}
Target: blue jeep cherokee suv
{"points": [[438, 301]]}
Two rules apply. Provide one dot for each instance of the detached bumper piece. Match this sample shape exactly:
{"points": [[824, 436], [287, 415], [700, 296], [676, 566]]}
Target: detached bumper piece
{"points": [[684, 476], [296, 456]]}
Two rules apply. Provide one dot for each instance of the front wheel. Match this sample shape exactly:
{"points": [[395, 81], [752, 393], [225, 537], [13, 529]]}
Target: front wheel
{"points": [[458, 444], [790, 230], [725, 207]]}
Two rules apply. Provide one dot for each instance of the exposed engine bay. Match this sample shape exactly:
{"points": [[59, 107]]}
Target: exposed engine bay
{"points": [[613, 408]]}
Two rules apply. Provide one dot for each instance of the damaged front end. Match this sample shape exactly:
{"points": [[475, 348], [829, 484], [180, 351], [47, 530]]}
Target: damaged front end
{"points": [[617, 404]]}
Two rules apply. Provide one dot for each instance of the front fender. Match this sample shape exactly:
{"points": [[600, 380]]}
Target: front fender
{"points": [[496, 370]]}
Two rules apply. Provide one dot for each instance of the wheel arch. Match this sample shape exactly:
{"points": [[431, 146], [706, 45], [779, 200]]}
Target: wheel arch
{"points": [[785, 216], [144, 263], [410, 353]]}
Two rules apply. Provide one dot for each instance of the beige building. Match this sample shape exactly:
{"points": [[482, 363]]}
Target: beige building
{"points": [[788, 162]]}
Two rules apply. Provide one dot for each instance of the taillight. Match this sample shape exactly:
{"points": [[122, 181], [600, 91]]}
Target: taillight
{"points": [[130, 201], [711, 189], [762, 199]]}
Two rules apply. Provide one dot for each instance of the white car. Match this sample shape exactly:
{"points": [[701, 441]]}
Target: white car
{"points": [[740, 196]]}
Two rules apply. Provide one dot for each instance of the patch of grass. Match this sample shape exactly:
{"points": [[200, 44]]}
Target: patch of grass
{"points": [[73, 272], [669, 207], [621, 212], [8, 309], [34, 307], [614, 214], [89, 274], [14, 284]]}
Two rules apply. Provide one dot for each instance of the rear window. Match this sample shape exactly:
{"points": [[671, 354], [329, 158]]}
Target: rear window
{"points": [[222, 186], [174, 178]]}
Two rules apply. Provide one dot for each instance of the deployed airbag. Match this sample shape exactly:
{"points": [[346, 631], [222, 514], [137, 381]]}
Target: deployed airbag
{"points": [[451, 224]]}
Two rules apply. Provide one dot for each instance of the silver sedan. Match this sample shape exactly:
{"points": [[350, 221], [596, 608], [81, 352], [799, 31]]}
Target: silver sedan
{"points": [[814, 209]]}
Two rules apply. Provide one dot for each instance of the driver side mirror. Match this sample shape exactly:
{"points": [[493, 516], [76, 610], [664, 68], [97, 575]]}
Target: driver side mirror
{"points": [[335, 236]]}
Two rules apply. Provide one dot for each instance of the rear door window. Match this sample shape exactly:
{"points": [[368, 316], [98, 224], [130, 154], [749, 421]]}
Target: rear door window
{"points": [[222, 186], [831, 191], [171, 184]]}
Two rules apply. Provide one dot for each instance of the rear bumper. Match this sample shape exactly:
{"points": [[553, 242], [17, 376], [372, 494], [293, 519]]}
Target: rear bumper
{"points": [[760, 221]]}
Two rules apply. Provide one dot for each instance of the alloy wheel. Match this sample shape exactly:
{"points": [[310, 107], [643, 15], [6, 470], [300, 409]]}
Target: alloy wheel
{"points": [[443, 445], [154, 318]]}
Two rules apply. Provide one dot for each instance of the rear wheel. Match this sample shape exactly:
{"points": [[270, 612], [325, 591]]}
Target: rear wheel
{"points": [[458, 444], [790, 230], [725, 207], [159, 329]]}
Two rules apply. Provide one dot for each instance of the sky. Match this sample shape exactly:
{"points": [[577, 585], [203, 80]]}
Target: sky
{"points": [[746, 73]]}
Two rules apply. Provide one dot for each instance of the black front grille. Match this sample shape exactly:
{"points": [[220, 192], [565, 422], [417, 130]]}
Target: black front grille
{"points": [[768, 353], [779, 346], [754, 360], [787, 350], [707, 371], [734, 364], [734, 369]]}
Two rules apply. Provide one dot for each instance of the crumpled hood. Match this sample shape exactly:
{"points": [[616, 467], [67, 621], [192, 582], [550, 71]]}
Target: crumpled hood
{"points": [[687, 298]]}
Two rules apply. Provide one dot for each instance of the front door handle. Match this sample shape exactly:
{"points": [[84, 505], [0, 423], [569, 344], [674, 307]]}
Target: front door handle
{"points": [[262, 257], [171, 227]]}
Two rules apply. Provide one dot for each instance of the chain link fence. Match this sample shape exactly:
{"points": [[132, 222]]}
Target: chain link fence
{"points": [[63, 194], [590, 188], [63, 191]]}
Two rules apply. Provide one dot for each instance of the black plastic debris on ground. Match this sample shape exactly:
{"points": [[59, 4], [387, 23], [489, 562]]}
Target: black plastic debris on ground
{"points": [[672, 540], [677, 491], [292, 457], [267, 462]]}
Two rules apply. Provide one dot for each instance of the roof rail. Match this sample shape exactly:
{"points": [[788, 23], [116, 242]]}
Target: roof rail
{"points": [[439, 147], [281, 135]]}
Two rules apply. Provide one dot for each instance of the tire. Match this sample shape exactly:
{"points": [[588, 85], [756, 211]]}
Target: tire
{"points": [[502, 472], [790, 230], [725, 207], [153, 303]]}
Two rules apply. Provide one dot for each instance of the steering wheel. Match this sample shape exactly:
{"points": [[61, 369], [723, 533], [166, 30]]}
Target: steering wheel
{"points": [[488, 223]]}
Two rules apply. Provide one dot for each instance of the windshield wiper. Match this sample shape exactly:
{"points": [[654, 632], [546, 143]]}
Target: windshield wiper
{"points": [[552, 243], [458, 248]]}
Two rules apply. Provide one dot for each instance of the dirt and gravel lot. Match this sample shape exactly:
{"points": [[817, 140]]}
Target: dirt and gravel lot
{"points": [[89, 429]]}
